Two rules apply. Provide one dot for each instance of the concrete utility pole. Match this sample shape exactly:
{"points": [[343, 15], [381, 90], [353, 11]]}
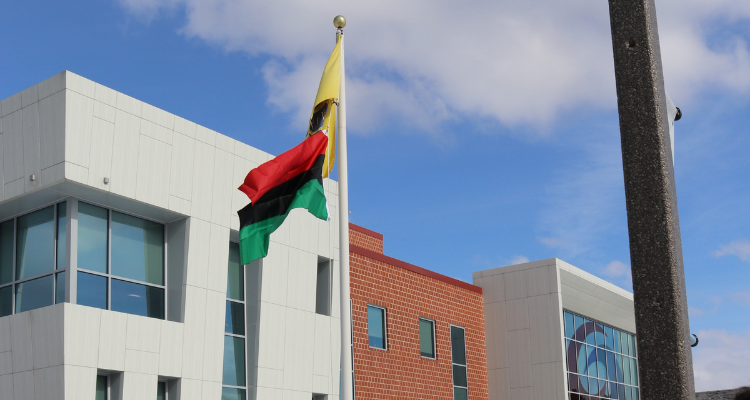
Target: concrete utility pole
{"points": [[664, 357]]}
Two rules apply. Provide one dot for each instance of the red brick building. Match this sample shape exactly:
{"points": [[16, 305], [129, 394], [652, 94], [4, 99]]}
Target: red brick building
{"points": [[410, 302]]}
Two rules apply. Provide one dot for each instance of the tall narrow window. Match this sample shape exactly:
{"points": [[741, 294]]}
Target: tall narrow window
{"points": [[35, 243], [234, 381], [427, 337], [323, 288], [6, 268], [120, 262], [6, 252], [376, 327], [102, 390], [458, 358], [31, 262], [161, 390]]}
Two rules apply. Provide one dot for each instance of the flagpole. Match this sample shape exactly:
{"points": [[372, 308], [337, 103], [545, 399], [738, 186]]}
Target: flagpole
{"points": [[346, 330]]}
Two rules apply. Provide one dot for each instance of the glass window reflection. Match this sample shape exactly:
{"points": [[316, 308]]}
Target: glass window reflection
{"points": [[426, 338], [580, 335], [36, 293], [35, 243], [92, 290], [6, 301], [601, 363], [458, 345], [235, 274], [599, 329], [232, 394], [60, 287], [62, 231], [459, 375], [161, 391], [590, 335], [137, 249], [602, 367], [234, 361], [376, 327], [101, 387], [618, 347], [234, 325], [6, 252], [609, 338], [92, 238], [569, 327], [235, 318], [134, 298]]}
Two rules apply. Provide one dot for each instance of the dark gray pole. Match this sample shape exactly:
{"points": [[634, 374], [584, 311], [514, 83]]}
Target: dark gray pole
{"points": [[664, 357]]}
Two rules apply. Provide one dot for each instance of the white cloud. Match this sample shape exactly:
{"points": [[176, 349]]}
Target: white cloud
{"points": [[616, 269], [618, 273], [584, 202], [713, 301], [426, 62], [720, 360], [739, 248], [519, 260], [551, 241], [695, 311]]}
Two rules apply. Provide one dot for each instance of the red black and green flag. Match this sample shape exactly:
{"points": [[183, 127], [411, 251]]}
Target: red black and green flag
{"points": [[291, 180]]}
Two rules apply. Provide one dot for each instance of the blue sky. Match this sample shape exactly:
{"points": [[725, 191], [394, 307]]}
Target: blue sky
{"points": [[480, 135]]}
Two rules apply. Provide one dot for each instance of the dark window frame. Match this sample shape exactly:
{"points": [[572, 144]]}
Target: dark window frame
{"points": [[384, 325], [620, 354], [466, 358], [109, 276], [55, 272], [243, 337], [434, 338]]}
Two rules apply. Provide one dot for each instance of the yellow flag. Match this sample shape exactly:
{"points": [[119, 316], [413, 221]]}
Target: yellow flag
{"points": [[323, 116]]}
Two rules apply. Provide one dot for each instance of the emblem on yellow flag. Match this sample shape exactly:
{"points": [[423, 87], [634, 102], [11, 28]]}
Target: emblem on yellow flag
{"points": [[323, 116]]}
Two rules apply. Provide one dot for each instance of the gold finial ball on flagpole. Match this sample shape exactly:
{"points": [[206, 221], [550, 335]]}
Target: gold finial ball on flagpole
{"points": [[339, 22]]}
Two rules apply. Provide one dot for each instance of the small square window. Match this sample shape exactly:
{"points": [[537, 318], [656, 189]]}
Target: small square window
{"points": [[376, 327], [427, 338]]}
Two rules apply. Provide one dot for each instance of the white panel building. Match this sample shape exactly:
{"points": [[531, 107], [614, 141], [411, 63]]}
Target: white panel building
{"points": [[555, 332], [116, 224]]}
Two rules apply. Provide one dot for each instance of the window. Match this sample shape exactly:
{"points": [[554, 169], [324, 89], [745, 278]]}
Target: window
{"points": [[601, 360], [102, 388], [233, 380], [376, 327], [427, 337], [323, 288], [120, 262], [161, 390], [458, 358], [32, 260]]}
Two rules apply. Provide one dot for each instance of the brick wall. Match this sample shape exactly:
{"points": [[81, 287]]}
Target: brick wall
{"points": [[409, 292], [365, 238]]}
